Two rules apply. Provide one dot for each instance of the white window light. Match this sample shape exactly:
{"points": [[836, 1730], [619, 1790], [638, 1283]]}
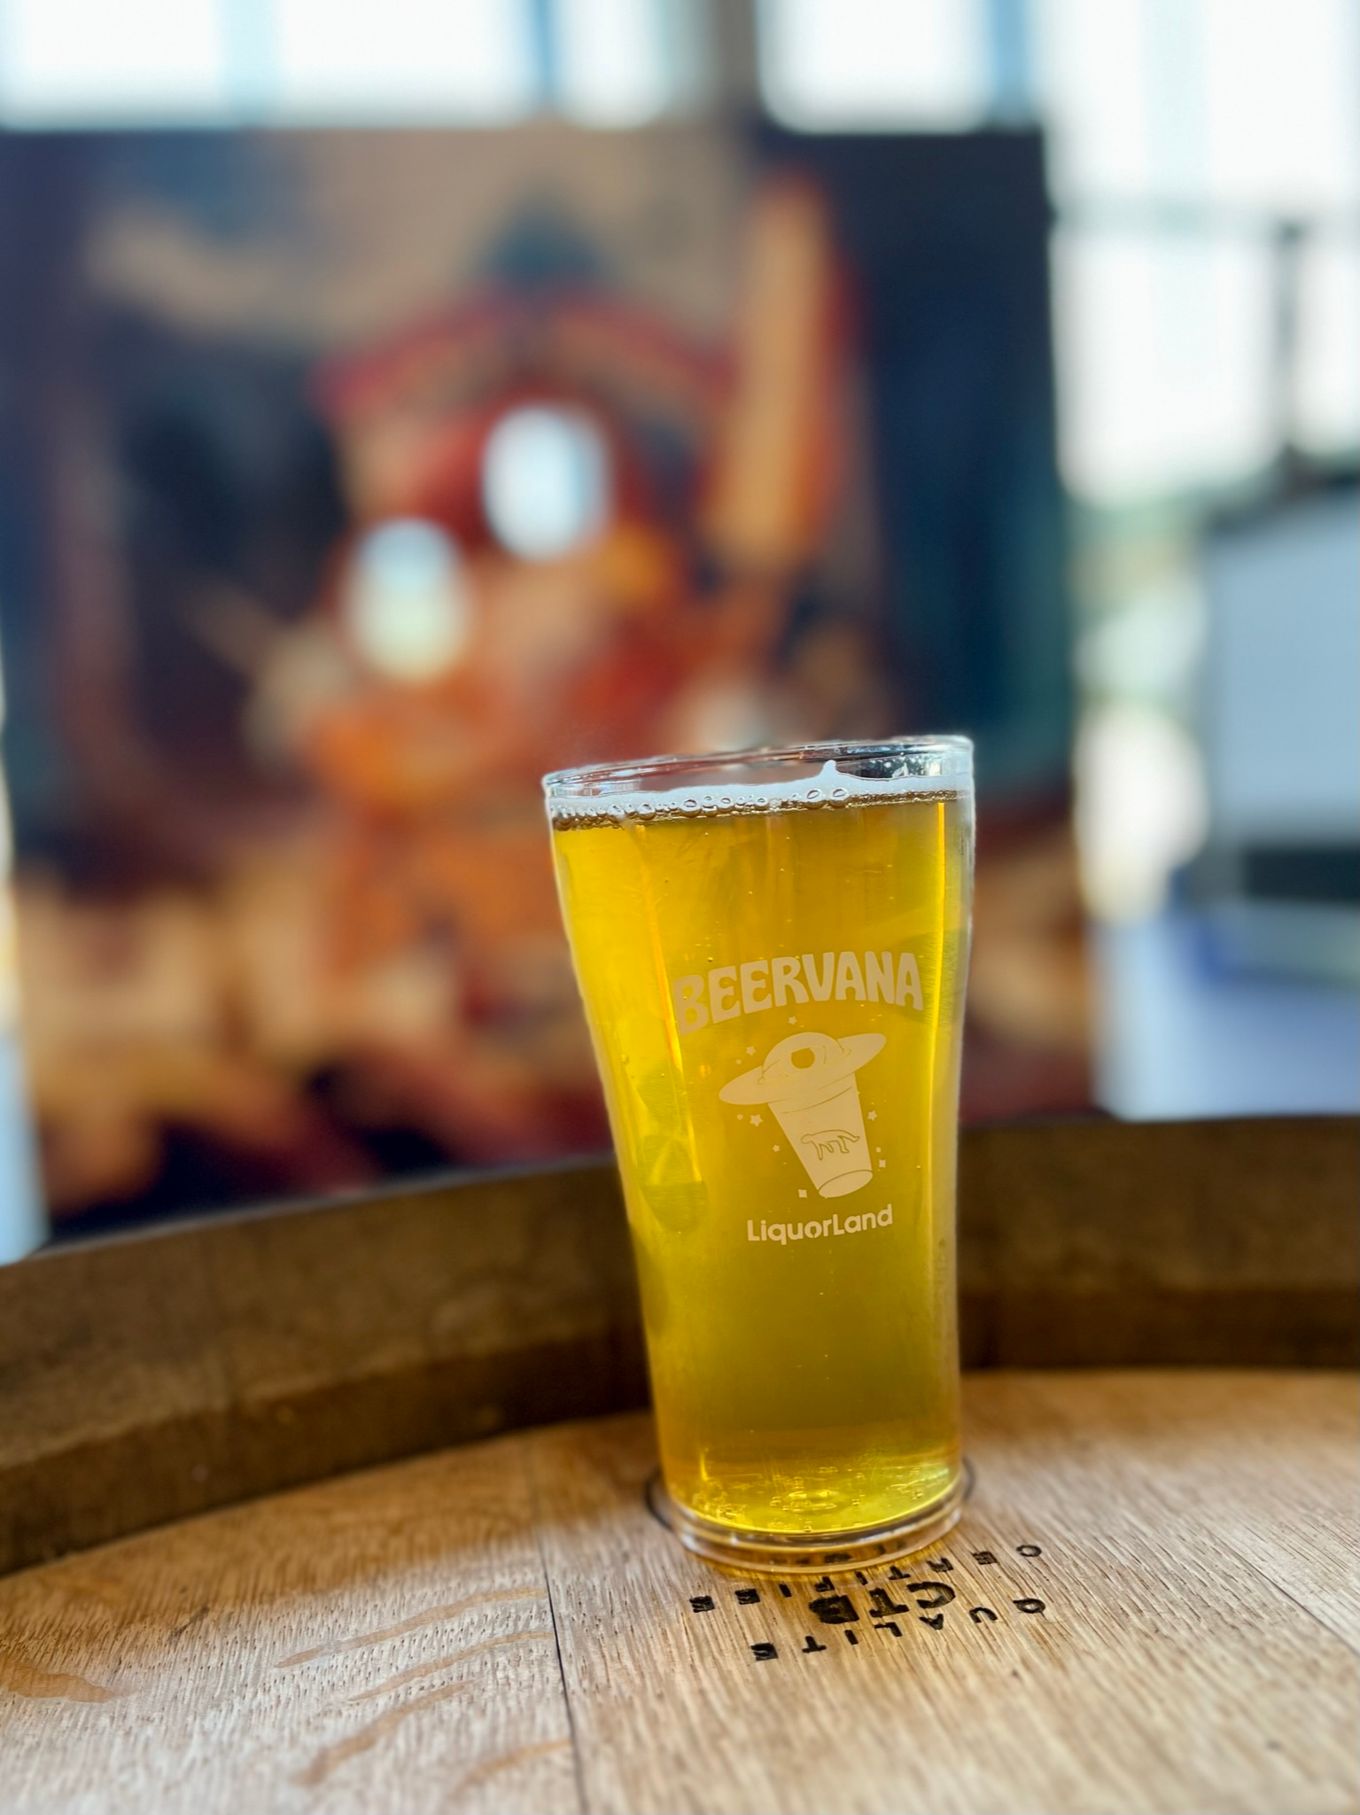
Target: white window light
{"points": [[613, 60], [90, 62], [1282, 103], [1248, 103], [865, 63], [1163, 345], [463, 60], [1327, 402], [1089, 67]]}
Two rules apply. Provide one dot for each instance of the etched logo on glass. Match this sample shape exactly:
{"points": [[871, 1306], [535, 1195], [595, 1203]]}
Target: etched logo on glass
{"points": [[809, 1082]]}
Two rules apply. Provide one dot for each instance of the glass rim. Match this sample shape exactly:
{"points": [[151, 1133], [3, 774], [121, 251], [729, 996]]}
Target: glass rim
{"points": [[946, 755]]}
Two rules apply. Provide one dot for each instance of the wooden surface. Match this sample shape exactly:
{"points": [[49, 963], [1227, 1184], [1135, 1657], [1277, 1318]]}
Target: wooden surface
{"points": [[159, 1375], [504, 1627]]}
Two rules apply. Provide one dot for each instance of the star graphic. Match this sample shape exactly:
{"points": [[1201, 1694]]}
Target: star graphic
{"points": [[802, 1194], [882, 1163], [873, 1113], [775, 1148], [756, 1120], [751, 1050], [793, 1020]]}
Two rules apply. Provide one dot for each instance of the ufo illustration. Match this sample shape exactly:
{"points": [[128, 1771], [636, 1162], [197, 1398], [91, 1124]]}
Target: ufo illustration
{"points": [[810, 1085]]}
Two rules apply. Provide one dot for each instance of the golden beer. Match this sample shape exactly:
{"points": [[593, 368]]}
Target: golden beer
{"points": [[772, 952]]}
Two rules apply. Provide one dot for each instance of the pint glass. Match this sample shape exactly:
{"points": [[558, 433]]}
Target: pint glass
{"points": [[772, 948]]}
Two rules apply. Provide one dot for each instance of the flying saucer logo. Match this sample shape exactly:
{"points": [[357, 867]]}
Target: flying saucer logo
{"points": [[810, 1084]]}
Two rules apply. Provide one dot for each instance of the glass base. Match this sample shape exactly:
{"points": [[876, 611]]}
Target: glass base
{"points": [[811, 1553]]}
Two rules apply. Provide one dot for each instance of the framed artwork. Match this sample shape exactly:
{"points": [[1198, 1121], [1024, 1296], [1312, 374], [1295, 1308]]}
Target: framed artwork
{"points": [[349, 480]]}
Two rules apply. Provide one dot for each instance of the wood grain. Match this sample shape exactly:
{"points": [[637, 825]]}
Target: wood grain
{"points": [[1171, 1559], [160, 1375], [385, 1642]]}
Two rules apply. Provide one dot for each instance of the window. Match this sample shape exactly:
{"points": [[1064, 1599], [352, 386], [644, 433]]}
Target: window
{"points": [[1184, 133], [1281, 104], [864, 63], [79, 62], [1163, 360], [1237, 104], [215, 62], [1327, 403], [617, 61], [401, 60]]}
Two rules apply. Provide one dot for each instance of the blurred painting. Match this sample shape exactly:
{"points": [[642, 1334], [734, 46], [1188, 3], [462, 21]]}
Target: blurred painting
{"points": [[352, 479]]}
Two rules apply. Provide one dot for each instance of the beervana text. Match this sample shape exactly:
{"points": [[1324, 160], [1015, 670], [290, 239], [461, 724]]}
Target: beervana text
{"points": [[730, 990]]}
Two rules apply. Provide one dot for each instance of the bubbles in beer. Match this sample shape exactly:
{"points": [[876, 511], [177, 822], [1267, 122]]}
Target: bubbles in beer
{"points": [[584, 810], [569, 815]]}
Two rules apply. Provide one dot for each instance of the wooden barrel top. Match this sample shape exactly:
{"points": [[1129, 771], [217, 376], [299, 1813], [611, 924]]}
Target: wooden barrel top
{"points": [[1151, 1604]]}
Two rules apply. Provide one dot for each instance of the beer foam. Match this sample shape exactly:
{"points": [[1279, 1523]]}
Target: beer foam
{"points": [[830, 787]]}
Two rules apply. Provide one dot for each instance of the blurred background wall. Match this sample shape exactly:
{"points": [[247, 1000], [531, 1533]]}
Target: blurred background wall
{"points": [[402, 399]]}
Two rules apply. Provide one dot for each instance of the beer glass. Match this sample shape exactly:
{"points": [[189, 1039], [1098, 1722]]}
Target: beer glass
{"points": [[772, 948]]}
